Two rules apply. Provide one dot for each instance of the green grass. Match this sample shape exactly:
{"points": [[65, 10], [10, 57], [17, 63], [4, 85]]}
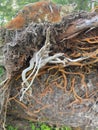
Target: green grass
{"points": [[44, 126], [40, 126]]}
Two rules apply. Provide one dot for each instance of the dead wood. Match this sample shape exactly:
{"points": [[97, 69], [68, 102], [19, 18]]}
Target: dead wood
{"points": [[65, 89]]}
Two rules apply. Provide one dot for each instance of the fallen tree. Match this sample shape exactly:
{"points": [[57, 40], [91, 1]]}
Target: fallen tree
{"points": [[52, 72]]}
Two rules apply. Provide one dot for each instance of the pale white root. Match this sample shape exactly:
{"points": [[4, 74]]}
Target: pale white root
{"points": [[40, 59]]}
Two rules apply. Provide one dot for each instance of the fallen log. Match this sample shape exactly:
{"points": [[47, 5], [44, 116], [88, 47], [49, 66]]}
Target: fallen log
{"points": [[52, 71]]}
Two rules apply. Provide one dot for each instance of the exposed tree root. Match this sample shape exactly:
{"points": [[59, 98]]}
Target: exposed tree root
{"points": [[53, 71]]}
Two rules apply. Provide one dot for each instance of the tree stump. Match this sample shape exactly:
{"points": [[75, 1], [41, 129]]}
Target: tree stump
{"points": [[52, 72]]}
